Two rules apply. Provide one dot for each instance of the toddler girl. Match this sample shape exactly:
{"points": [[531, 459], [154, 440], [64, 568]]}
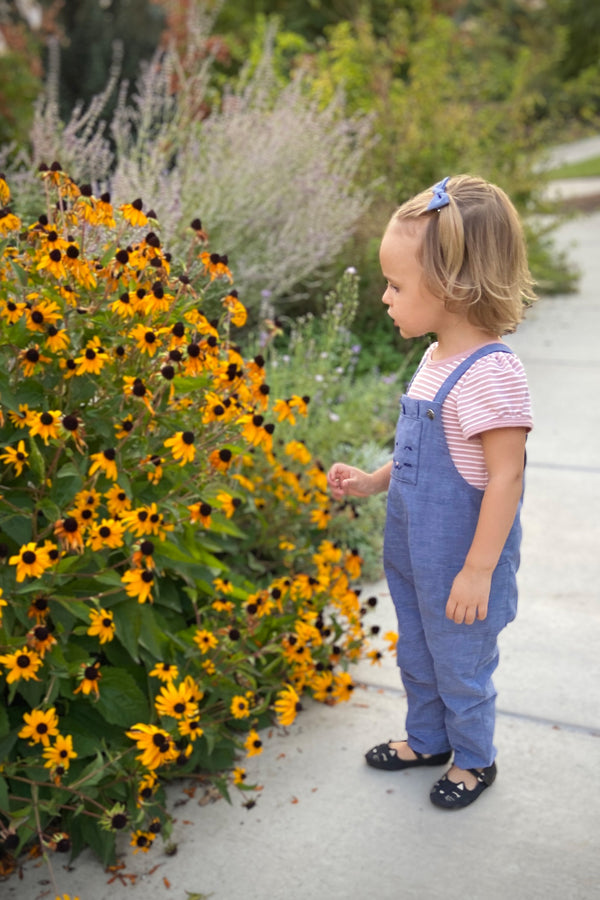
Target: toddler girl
{"points": [[455, 263]]}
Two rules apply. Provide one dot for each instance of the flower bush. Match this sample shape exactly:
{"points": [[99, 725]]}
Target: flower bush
{"points": [[167, 587]]}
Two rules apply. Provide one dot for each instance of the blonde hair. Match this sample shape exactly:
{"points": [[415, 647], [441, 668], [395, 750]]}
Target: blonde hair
{"points": [[473, 252]]}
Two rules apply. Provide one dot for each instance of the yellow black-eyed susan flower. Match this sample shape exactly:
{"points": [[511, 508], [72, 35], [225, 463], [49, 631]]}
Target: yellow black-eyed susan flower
{"points": [[205, 640], [53, 262], [239, 775], [102, 625], [60, 754], [30, 358], [190, 728], [156, 745], [392, 638], [15, 456], [148, 340], [353, 563], [133, 213], [22, 664], [375, 656], [322, 686], [176, 701], [239, 707], [165, 671], [89, 678], [117, 501], [45, 424], [23, 418], [93, 358], [107, 533], [221, 459], [124, 305], [31, 561], [147, 787], [41, 313], [298, 451], [236, 309], [141, 840], [139, 584], [11, 310], [69, 533], [124, 427], [253, 743], [8, 221], [200, 512], [40, 726], [40, 639], [57, 339], [182, 446], [343, 686], [104, 461], [256, 431], [287, 705], [216, 265]]}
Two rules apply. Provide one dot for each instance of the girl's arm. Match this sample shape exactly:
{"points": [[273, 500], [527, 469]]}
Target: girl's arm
{"points": [[504, 452], [348, 481]]}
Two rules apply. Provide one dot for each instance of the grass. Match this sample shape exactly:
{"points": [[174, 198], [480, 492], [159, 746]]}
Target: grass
{"points": [[585, 168]]}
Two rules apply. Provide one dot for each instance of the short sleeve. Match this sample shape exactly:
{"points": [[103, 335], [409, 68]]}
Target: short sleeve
{"points": [[494, 393]]}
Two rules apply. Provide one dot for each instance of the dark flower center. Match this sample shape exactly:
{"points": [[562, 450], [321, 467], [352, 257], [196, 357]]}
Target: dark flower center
{"points": [[23, 661], [29, 557], [70, 423]]}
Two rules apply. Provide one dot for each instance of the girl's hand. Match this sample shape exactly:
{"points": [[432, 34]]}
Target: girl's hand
{"points": [[348, 481], [469, 596]]}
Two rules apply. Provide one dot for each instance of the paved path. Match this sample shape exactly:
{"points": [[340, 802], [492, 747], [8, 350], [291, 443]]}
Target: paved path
{"points": [[326, 827]]}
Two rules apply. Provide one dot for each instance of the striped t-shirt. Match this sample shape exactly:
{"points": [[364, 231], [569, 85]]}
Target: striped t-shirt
{"points": [[493, 393]]}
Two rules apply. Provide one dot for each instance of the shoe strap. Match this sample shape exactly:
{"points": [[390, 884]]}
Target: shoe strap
{"points": [[485, 777]]}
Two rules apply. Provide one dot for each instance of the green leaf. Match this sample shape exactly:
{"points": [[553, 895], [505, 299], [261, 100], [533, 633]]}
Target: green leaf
{"points": [[4, 805], [102, 842], [152, 636], [128, 624], [121, 701], [4, 722]]}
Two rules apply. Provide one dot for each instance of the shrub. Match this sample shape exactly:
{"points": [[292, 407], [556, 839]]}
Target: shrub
{"points": [[168, 585], [272, 169]]}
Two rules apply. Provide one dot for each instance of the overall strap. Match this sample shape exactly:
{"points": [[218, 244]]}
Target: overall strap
{"points": [[466, 364]]}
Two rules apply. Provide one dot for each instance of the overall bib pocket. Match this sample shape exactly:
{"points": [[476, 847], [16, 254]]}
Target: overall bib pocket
{"points": [[406, 449]]}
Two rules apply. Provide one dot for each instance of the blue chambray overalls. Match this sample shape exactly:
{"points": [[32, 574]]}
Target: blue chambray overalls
{"points": [[432, 513]]}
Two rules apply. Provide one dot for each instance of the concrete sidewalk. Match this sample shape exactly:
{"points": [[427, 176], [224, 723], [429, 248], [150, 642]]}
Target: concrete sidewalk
{"points": [[325, 825]]}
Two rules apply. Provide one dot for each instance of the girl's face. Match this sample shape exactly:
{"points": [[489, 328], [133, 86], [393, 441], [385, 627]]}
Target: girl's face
{"points": [[413, 309]]}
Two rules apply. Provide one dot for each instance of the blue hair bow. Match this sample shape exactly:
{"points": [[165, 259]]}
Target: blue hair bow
{"points": [[440, 197]]}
